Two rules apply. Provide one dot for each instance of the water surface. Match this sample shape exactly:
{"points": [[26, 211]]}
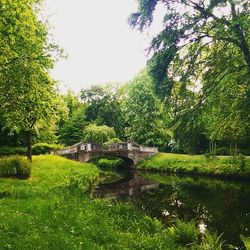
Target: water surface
{"points": [[223, 205]]}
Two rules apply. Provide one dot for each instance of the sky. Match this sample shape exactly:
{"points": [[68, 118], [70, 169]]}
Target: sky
{"points": [[100, 45]]}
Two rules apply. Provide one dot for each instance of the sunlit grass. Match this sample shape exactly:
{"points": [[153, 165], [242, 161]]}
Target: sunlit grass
{"points": [[181, 163], [52, 210]]}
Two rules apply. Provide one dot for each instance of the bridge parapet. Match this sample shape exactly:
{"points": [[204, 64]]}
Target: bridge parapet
{"points": [[116, 146], [149, 149]]}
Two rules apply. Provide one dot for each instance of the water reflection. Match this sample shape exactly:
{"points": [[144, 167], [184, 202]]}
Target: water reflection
{"points": [[131, 184], [221, 206]]}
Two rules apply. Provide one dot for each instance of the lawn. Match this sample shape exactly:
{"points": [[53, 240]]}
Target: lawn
{"points": [[198, 164]]}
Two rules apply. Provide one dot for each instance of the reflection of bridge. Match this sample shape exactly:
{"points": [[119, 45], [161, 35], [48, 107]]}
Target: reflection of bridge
{"points": [[84, 152], [130, 185]]}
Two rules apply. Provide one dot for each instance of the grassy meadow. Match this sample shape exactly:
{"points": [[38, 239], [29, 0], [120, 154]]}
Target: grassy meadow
{"points": [[198, 164], [54, 209]]}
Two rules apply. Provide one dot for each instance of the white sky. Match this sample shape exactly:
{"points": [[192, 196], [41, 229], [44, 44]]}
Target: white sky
{"points": [[101, 46]]}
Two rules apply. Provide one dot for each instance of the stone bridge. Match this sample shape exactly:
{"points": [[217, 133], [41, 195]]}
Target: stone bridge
{"points": [[84, 152]]}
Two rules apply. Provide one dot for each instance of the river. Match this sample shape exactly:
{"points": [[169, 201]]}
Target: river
{"points": [[222, 205]]}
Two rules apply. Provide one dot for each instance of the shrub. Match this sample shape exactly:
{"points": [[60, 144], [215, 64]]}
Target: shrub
{"points": [[113, 140], [242, 161], [82, 183], [15, 166], [184, 233], [7, 150], [45, 148]]}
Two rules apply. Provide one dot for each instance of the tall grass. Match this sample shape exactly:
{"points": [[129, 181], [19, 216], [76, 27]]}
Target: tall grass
{"points": [[17, 166], [246, 241]]}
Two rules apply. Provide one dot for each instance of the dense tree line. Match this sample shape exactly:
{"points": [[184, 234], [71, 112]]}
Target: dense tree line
{"points": [[193, 96]]}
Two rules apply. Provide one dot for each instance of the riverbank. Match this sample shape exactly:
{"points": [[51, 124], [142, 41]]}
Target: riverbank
{"points": [[198, 164], [54, 209]]}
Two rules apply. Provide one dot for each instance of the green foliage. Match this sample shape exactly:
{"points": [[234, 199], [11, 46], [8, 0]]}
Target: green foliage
{"points": [[79, 182], [45, 148], [200, 68], [109, 163], [144, 113], [180, 47], [211, 242], [27, 92], [15, 166], [7, 150], [246, 241], [98, 134], [113, 140], [210, 157], [71, 130], [242, 161], [104, 106], [184, 233]]}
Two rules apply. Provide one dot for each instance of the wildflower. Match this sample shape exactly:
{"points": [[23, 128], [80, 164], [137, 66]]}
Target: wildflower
{"points": [[202, 228], [179, 203], [165, 213]]}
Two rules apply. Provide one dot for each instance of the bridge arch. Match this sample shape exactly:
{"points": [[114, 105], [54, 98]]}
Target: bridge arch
{"points": [[128, 162]]}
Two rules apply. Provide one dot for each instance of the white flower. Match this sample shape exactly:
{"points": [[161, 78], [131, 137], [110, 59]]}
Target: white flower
{"points": [[179, 203], [165, 213], [202, 228]]}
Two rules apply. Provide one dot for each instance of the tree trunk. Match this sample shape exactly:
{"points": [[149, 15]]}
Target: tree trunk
{"points": [[29, 143], [230, 152]]}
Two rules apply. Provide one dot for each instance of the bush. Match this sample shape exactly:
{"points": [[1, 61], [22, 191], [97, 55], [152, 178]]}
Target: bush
{"points": [[184, 233], [82, 183], [45, 148], [113, 140], [15, 166], [241, 159], [7, 150]]}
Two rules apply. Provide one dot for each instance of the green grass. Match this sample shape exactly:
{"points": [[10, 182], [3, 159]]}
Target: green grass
{"points": [[246, 241], [54, 209], [196, 164]]}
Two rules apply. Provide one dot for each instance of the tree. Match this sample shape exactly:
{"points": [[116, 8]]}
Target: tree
{"points": [[71, 130], [205, 47], [226, 118], [98, 134], [104, 106], [192, 28], [27, 93], [144, 113]]}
